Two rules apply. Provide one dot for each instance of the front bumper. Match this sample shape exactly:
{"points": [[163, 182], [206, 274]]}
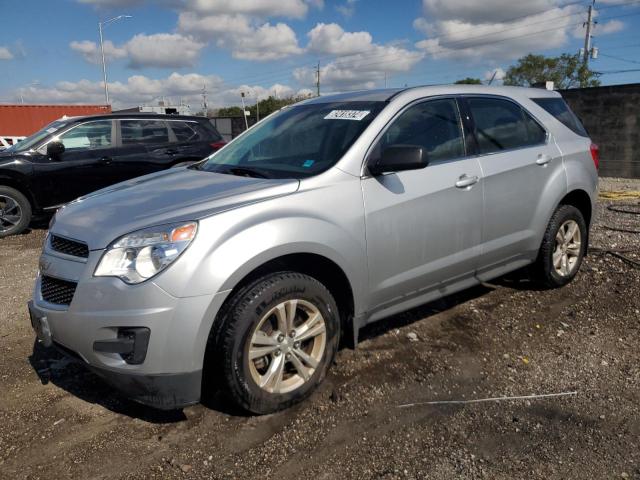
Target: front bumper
{"points": [[90, 329]]}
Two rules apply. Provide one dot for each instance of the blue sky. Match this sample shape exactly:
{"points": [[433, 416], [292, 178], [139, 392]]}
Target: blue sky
{"points": [[172, 48]]}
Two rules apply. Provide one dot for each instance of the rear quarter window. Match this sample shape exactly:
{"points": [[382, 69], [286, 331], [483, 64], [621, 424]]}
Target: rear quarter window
{"points": [[561, 111]]}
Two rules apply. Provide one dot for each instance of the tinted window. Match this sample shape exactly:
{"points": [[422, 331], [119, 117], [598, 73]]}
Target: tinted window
{"points": [[185, 131], [433, 125], [298, 141], [88, 136], [145, 132], [559, 109], [503, 125]]}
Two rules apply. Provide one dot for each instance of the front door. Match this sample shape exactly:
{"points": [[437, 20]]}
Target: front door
{"points": [[81, 169], [423, 227]]}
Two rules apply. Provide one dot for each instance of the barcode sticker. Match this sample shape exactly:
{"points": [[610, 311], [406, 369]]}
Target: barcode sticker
{"points": [[347, 115]]}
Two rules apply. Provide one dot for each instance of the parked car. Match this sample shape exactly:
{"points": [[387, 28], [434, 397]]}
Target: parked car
{"points": [[244, 271], [75, 156]]}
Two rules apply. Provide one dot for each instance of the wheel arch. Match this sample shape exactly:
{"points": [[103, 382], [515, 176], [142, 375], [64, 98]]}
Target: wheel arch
{"points": [[316, 265], [20, 185], [582, 201]]}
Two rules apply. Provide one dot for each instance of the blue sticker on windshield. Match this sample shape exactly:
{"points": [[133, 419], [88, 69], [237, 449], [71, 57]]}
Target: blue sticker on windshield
{"points": [[308, 163]]}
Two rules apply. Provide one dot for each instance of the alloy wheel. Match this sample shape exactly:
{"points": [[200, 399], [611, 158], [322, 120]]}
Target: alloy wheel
{"points": [[568, 248], [10, 213], [287, 346]]}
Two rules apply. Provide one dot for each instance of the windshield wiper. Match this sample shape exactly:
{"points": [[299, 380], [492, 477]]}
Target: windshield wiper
{"points": [[245, 172]]}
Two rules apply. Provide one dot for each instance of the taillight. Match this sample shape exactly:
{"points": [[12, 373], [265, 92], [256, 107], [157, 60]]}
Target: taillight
{"points": [[595, 154], [218, 145]]}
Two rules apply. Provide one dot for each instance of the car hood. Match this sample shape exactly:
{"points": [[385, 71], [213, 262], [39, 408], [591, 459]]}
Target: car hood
{"points": [[174, 195]]}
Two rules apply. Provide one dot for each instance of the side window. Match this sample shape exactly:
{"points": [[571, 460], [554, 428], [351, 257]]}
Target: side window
{"points": [[503, 125], [143, 132], [185, 131], [433, 125], [88, 136]]}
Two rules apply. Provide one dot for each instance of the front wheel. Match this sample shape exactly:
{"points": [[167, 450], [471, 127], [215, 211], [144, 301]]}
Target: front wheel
{"points": [[277, 340], [563, 247], [15, 212]]}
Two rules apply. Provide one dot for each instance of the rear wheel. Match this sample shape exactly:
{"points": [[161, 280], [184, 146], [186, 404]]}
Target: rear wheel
{"points": [[15, 212], [277, 340], [563, 247]]}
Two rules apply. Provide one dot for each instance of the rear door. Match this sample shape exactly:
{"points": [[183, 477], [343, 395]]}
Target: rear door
{"points": [[519, 161], [423, 227], [190, 140], [144, 147]]}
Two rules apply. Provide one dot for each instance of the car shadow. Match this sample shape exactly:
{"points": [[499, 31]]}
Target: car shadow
{"points": [[71, 375], [422, 312]]}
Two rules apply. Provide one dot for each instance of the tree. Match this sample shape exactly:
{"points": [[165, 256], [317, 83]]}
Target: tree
{"points": [[267, 107], [230, 112], [469, 81], [565, 71]]}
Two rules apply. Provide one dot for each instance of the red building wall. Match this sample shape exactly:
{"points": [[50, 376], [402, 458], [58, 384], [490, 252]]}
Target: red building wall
{"points": [[23, 120]]}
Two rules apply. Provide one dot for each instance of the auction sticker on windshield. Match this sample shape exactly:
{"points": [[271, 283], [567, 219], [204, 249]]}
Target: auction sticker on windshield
{"points": [[347, 115]]}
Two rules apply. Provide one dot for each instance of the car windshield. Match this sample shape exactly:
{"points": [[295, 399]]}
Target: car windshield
{"points": [[297, 142], [31, 141]]}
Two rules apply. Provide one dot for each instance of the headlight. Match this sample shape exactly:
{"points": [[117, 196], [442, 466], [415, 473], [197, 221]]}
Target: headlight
{"points": [[140, 255]]}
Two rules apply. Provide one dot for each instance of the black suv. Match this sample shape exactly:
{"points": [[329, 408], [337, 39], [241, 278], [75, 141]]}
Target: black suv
{"points": [[75, 156]]}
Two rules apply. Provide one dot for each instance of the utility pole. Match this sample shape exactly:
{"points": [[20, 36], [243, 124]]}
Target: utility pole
{"points": [[318, 79], [204, 98], [244, 112], [587, 37]]}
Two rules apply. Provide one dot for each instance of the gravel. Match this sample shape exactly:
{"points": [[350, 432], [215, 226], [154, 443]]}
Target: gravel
{"points": [[501, 339]]}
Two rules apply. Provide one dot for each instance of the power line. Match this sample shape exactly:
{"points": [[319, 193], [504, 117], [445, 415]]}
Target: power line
{"points": [[619, 58]]}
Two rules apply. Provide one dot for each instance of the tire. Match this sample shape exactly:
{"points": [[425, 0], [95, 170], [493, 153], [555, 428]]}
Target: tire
{"points": [[15, 212], [251, 316], [547, 269]]}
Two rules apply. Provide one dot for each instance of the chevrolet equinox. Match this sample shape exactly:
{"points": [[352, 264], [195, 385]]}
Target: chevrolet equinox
{"points": [[242, 272]]}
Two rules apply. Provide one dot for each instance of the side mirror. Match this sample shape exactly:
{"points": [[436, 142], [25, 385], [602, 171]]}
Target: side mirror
{"points": [[55, 149], [397, 158]]}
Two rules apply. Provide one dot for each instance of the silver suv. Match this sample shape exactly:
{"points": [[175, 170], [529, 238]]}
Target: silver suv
{"points": [[244, 271]]}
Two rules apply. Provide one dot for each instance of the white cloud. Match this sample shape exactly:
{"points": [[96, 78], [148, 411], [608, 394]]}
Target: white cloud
{"points": [[140, 89], [332, 39], [498, 30], [363, 63], [464, 39], [163, 50], [5, 53], [255, 8], [347, 9], [361, 71], [168, 50], [91, 52], [245, 39], [612, 26]]}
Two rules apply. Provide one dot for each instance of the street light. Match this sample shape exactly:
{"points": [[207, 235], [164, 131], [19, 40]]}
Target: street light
{"points": [[101, 25]]}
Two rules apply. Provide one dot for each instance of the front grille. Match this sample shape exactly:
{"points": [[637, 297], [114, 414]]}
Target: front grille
{"points": [[54, 290], [69, 247]]}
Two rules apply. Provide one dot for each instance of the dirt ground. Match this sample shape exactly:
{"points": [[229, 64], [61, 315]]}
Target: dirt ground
{"points": [[507, 338]]}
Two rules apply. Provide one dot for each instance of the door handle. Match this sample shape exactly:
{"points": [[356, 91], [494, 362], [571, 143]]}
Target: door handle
{"points": [[106, 160], [543, 159], [171, 152], [466, 181]]}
